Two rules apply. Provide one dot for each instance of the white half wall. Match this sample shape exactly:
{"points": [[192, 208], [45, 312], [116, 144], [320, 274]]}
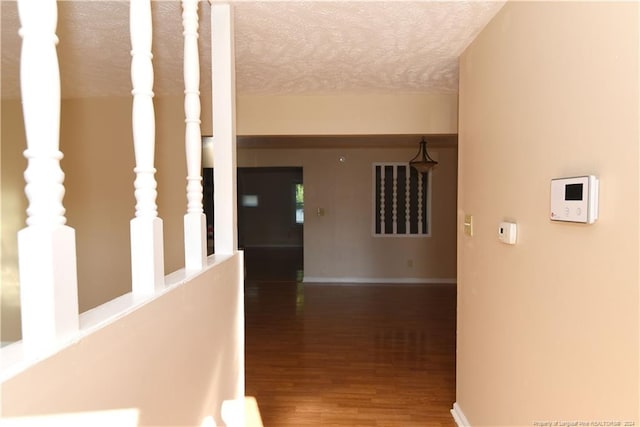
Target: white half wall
{"points": [[174, 359]]}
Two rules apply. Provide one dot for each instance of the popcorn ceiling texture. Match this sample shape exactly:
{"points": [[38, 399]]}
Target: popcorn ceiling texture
{"points": [[302, 47]]}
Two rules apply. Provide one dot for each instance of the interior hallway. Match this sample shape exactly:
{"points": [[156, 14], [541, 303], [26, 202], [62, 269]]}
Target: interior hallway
{"points": [[347, 355]]}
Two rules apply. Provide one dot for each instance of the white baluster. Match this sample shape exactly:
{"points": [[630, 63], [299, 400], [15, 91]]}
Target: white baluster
{"points": [[382, 210], [420, 204], [394, 211], [147, 250], [224, 129], [47, 249], [407, 198], [195, 243]]}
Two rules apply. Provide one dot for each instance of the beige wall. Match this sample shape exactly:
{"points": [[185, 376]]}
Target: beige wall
{"points": [[548, 328], [14, 205], [99, 200], [95, 137], [99, 160], [340, 245], [174, 359], [96, 140], [348, 114]]}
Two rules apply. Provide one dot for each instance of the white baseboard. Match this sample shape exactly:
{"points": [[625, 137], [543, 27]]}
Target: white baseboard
{"points": [[376, 280], [458, 416]]}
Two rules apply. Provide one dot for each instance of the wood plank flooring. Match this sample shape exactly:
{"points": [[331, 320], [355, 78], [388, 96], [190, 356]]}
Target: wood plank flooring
{"points": [[350, 355]]}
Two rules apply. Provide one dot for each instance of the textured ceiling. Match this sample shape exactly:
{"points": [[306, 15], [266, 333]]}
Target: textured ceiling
{"points": [[292, 47]]}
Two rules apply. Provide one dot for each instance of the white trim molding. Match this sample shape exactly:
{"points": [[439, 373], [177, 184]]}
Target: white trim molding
{"points": [[378, 280], [458, 416], [223, 86]]}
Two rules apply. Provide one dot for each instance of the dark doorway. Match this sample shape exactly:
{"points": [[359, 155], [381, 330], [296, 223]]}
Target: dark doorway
{"points": [[207, 202], [271, 222]]}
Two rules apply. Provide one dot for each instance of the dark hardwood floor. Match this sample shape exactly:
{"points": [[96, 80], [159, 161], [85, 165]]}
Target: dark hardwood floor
{"points": [[347, 355]]}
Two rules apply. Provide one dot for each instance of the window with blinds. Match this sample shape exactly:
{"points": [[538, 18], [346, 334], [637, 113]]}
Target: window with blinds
{"points": [[401, 200]]}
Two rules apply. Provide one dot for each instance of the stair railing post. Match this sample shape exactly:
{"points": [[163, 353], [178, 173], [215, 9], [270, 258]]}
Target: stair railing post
{"points": [[46, 247], [195, 243], [147, 247]]}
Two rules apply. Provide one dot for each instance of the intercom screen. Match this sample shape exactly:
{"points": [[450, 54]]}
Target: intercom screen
{"points": [[573, 192]]}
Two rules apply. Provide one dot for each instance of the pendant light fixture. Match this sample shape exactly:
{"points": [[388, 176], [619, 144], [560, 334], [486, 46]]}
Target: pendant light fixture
{"points": [[422, 162]]}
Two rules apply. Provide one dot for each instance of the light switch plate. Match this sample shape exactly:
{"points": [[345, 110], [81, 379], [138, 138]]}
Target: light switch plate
{"points": [[468, 225]]}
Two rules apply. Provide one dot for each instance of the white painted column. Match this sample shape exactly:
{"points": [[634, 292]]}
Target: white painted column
{"points": [[224, 129], [195, 240], [46, 247], [147, 250]]}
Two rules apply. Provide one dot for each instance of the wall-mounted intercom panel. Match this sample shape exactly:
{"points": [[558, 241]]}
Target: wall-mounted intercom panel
{"points": [[575, 199]]}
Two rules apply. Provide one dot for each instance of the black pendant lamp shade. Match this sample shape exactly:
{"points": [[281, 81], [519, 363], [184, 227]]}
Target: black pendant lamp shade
{"points": [[422, 162]]}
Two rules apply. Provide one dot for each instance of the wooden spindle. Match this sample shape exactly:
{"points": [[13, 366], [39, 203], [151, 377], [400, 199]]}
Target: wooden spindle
{"points": [[46, 247], [195, 243], [147, 250]]}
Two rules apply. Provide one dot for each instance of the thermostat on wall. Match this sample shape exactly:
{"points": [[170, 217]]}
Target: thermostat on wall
{"points": [[575, 199]]}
